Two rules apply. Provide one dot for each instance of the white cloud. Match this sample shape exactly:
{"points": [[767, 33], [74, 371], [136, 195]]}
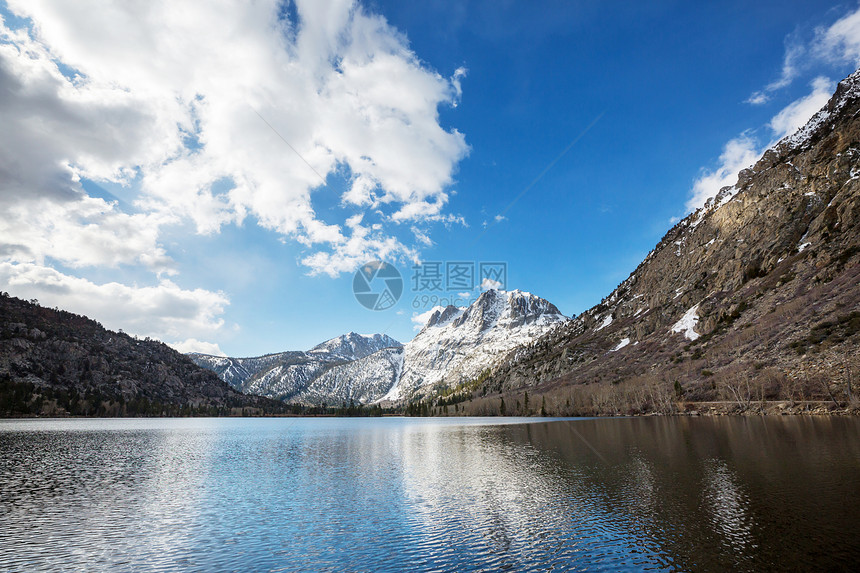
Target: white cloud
{"points": [[841, 40], [456, 81], [489, 283], [839, 43], [196, 117], [795, 115], [836, 43], [422, 237], [794, 54], [81, 232], [213, 113], [55, 131], [738, 153], [194, 345], [364, 244], [758, 98], [744, 150], [419, 320], [164, 311], [496, 219]]}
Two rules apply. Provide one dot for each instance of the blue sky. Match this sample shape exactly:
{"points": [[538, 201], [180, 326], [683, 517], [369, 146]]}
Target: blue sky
{"points": [[166, 172]]}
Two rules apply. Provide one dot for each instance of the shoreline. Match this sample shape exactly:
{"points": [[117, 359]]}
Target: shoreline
{"points": [[685, 409]]}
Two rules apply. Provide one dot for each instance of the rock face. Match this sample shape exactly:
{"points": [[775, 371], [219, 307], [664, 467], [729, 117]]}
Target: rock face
{"points": [[458, 344], [759, 290], [54, 362], [295, 376]]}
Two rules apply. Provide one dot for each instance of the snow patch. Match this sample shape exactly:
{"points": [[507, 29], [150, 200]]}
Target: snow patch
{"points": [[687, 324], [606, 322], [624, 342]]}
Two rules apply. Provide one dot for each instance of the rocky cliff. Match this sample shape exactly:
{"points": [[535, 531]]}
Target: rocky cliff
{"points": [[755, 296]]}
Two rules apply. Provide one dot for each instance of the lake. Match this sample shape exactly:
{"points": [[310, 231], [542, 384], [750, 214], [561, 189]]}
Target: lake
{"points": [[396, 494]]}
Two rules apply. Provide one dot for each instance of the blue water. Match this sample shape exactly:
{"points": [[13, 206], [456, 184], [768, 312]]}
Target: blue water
{"points": [[428, 495]]}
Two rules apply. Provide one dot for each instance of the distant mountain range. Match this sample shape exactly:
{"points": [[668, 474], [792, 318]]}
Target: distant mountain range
{"points": [[455, 346], [298, 376]]}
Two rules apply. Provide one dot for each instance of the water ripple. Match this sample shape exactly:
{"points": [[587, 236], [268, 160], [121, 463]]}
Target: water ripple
{"points": [[418, 495]]}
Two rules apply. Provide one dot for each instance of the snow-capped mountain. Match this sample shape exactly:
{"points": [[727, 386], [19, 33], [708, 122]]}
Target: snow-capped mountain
{"points": [[236, 371], [286, 375], [362, 381], [457, 344], [353, 346]]}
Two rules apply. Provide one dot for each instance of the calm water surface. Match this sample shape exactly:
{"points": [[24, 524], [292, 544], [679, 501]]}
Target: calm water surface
{"points": [[430, 495]]}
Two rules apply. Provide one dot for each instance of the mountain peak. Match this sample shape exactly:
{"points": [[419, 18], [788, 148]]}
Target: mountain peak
{"points": [[457, 344], [353, 345]]}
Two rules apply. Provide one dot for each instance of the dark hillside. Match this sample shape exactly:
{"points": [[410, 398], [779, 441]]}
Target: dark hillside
{"points": [[53, 362]]}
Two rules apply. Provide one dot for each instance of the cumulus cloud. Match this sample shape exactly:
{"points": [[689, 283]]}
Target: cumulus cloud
{"points": [[210, 113], [836, 43], [194, 345], [81, 232], [738, 153], [218, 111], [489, 283], [795, 115], [419, 320], [164, 311], [839, 43], [841, 40], [55, 131]]}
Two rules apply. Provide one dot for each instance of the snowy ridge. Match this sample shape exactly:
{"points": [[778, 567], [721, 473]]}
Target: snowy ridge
{"points": [[848, 89], [236, 371], [351, 346], [286, 375], [361, 381], [457, 344]]}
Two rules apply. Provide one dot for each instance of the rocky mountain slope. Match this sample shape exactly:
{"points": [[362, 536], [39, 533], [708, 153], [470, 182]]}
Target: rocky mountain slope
{"points": [[291, 376], [360, 381], [458, 344], [54, 362], [754, 297]]}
